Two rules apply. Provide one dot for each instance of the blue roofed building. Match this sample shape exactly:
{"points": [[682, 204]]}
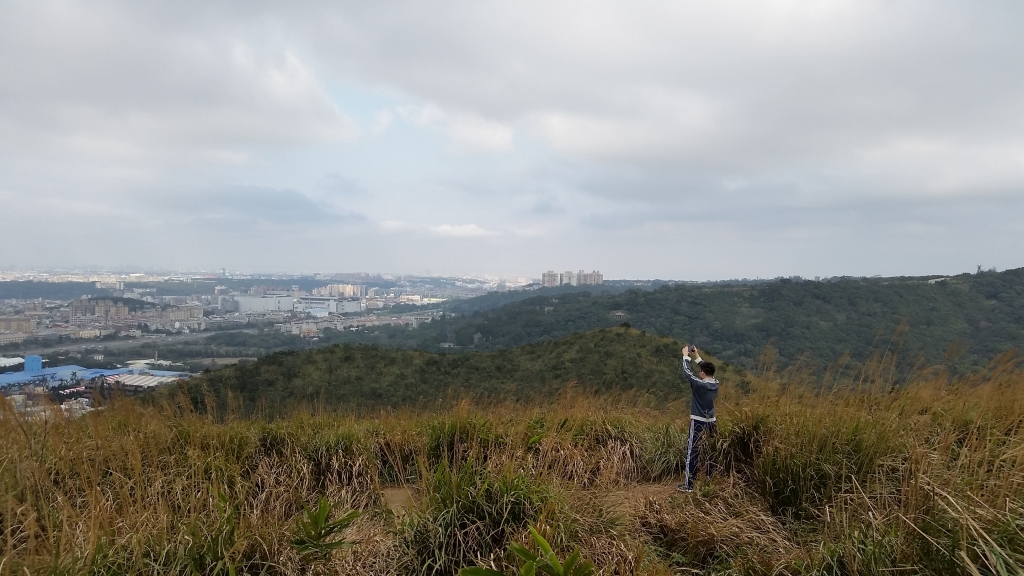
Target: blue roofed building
{"points": [[35, 374]]}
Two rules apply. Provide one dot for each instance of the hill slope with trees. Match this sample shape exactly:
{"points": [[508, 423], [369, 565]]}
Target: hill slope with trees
{"points": [[359, 377], [966, 320]]}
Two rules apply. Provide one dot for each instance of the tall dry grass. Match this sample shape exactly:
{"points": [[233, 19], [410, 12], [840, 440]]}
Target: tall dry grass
{"points": [[846, 475]]}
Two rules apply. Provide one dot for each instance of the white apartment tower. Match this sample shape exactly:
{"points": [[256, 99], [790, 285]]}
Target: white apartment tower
{"points": [[551, 279]]}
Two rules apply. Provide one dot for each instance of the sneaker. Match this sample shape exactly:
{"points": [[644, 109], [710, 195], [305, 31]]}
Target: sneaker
{"points": [[683, 488]]}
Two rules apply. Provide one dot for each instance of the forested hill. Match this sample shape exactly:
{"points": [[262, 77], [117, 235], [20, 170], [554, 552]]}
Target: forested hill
{"points": [[373, 377], [981, 315]]}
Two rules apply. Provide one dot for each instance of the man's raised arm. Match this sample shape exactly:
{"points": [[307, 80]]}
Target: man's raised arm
{"points": [[684, 367]]}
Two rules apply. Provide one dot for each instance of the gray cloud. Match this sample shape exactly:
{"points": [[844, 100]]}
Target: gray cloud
{"points": [[110, 82], [904, 97], [243, 206], [547, 207], [335, 184], [564, 130]]}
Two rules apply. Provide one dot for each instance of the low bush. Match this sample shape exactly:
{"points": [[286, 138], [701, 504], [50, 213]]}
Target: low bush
{"points": [[468, 514]]}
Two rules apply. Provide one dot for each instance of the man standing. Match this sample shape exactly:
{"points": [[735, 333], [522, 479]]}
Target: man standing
{"points": [[704, 390]]}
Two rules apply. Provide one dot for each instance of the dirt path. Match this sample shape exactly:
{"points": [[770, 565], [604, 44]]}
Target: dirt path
{"points": [[398, 498], [630, 498]]}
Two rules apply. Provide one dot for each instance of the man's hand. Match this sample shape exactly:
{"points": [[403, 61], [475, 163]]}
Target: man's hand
{"points": [[686, 350]]}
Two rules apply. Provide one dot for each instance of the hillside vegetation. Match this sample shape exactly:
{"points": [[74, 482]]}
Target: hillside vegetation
{"points": [[360, 377], [966, 320], [842, 475]]}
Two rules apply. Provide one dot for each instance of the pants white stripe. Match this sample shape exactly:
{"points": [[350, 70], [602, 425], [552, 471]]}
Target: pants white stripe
{"points": [[689, 454]]}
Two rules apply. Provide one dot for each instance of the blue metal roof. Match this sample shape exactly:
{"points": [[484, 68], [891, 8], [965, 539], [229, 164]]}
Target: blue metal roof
{"points": [[59, 374]]}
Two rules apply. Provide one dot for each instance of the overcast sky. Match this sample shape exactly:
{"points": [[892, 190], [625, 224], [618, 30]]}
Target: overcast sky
{"points": [[687, 140]]}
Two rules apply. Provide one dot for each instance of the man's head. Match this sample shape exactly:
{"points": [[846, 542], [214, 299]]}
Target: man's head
{"points": [[707, 369]]}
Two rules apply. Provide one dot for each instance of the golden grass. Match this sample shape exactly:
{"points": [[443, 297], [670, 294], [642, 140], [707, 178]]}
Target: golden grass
{"points": [[848, 475]]}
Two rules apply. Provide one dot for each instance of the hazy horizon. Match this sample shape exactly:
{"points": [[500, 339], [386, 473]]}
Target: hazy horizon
{"points": [[650, 140], [330, 275]]}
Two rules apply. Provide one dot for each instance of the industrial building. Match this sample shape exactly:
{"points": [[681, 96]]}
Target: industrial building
{"points": [[34, 373], [248, 304], [131, 383], [323, 305]]}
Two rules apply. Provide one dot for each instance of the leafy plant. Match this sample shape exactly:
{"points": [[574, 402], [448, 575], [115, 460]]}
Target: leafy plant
{"points": [[317, 535], [209, 550], [545, 563]]}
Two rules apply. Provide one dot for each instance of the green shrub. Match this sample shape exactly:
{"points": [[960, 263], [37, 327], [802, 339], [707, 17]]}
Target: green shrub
{"points": [[316, 535], [468, 513], [546, 563]]}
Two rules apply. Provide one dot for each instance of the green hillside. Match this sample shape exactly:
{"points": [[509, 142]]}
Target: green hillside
{"points": [[370, 377], [981, 315]]}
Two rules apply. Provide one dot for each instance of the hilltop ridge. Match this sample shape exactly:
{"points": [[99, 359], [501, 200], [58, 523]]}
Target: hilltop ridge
{"points": [[966, 319]]}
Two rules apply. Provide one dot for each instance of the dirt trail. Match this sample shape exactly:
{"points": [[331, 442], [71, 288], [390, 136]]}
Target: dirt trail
{"points": [[631, 497], [398, 498]]}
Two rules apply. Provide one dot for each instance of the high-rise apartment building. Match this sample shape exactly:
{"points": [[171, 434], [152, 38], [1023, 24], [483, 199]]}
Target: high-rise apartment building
{"points": [[341, 291], [96, 310], [551, 279]]}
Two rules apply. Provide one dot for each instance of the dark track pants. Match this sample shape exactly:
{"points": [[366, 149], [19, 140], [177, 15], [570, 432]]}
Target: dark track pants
{"points": [[697, 449]]}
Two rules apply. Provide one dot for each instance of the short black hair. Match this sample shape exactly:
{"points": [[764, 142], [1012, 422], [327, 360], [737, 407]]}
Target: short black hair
{"points": [[707, 368]]}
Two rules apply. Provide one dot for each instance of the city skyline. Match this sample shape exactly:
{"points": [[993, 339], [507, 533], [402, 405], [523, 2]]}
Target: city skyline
{"points": [[654, 140], [105, 276]]}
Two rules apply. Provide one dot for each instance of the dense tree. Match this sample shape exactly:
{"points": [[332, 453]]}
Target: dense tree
{"points": [[981, 315], [371, 377]]}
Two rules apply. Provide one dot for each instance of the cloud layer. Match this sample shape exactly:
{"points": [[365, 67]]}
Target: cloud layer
{"points": [[786, 137]]}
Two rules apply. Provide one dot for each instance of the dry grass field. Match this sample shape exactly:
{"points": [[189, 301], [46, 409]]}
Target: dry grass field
{"points": [[847, 475]]}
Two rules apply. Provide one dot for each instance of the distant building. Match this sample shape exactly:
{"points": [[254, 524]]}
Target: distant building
{"points": [[6, 339], [551, 279], [132, 383], [341, 291], [17, 324], [34, 373], [33, 364], [182, 313], [227, 304], [249, 304], [90, 311], [327, 304]]}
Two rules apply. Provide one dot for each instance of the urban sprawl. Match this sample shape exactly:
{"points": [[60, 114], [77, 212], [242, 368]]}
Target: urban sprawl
{"points": [[144, 305]]}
